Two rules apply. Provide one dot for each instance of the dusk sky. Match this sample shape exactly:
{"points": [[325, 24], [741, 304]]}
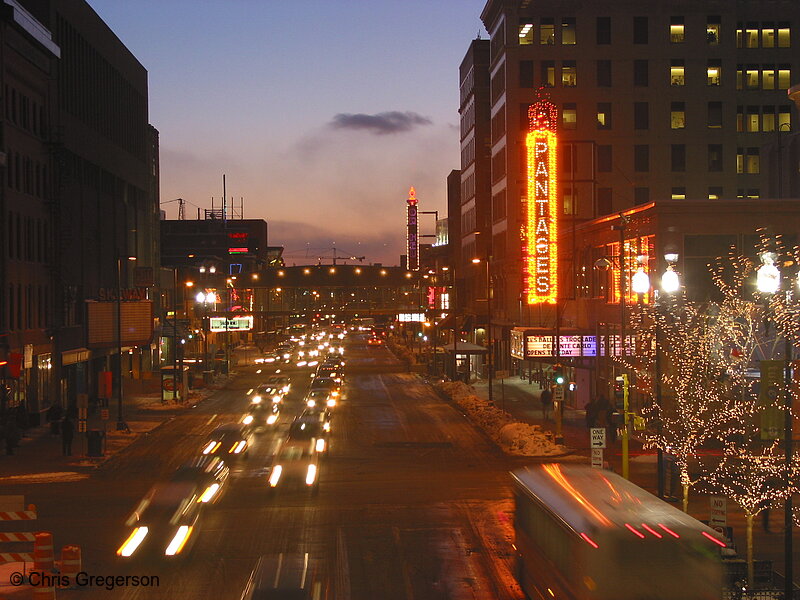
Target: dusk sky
{"points": [[321, 113]]}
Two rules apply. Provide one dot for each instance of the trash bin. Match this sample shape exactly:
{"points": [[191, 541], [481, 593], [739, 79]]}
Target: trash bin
{"points": [[94, 442]]}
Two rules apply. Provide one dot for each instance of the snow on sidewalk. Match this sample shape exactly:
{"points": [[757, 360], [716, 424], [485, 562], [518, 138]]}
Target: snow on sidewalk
{"points": [[513, 437]]}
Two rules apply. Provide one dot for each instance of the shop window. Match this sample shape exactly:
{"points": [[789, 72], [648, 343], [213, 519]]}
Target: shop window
{"points": [[714, 72], [676, 31], [526, 32], [569, 73], [676, 73], [568, 31], [604, 115], [547, 32], [677, 116]]}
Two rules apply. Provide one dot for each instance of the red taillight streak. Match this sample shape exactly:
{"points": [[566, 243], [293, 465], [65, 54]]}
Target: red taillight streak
{"points": [[653, 531], [715, 540], [589, 540], [668, 530], [634, 530]]}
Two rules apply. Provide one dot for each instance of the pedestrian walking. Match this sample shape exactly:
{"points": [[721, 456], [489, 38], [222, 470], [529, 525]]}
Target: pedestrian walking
{"points": [[546, 398], [12, 435], [67, 433], [591, 413], [54, 416]]}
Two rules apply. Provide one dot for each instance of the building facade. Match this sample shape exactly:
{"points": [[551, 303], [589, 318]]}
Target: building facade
{"points": [[675, 102]]}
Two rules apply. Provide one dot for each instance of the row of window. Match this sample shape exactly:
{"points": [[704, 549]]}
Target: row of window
{"points": [[24, 111], [748, 77], [749, 35], [751, 119], [27, 238], [26, 175], [25, 307]]}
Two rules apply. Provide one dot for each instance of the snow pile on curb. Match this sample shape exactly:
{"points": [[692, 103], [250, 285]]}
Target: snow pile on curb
{"points": [[513, 437]]}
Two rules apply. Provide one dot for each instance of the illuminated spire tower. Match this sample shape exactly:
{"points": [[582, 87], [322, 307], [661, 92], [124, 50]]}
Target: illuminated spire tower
{"points": [[540, 225], [412, 241]]}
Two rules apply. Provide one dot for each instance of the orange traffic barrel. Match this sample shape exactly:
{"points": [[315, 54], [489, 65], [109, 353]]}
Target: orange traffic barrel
{"points": [[44, 563], [70, 565]]}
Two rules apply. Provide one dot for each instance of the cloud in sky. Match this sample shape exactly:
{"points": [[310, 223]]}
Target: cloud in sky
{"points": [[381, 123]]}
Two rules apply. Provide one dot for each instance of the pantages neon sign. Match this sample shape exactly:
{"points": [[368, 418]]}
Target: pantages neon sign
{"points": [[540, 228], [412, 245]]}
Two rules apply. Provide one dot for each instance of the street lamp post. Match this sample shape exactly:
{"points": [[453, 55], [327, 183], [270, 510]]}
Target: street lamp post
{"points": [[768, 282], [489, 339], [121, 424]]}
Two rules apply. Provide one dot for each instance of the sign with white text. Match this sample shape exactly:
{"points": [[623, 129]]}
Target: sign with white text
{"points": [[598, 437], [218, 324]]}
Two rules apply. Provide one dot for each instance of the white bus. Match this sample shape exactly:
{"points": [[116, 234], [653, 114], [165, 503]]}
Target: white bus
{"points": [[584, 533]]}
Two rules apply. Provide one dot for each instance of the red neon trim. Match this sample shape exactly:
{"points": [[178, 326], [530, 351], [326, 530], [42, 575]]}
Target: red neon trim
{"points": [[715, 540], [653, 531], [589, 540], [634, 530], [668, 530]]}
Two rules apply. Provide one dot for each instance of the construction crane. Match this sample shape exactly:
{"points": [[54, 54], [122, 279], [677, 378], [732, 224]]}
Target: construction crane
{"points": [[335, 255]]}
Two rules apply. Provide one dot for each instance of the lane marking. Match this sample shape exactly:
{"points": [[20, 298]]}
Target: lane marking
{"points": [[214, 416]]}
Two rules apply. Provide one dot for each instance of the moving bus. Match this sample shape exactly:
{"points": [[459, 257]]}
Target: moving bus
{"points": [[584, 533]]}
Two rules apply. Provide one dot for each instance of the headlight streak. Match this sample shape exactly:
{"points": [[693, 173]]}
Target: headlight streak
{"points": [[130, 545], [179, 540], [275, 475], [311, 474]]}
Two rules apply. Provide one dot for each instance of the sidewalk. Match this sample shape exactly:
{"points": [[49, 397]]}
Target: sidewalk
{"points": [[39, 457], [521, 399]]}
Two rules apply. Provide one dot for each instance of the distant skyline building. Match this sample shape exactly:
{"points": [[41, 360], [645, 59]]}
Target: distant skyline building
{"points": [[412, 231]]}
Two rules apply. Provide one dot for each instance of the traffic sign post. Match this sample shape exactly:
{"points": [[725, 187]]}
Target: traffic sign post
{"points": [[597, 437], [597, 458]]}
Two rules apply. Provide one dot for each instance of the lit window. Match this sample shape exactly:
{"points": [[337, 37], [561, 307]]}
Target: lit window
{"points": [[751, 36], [676, 32], [569, 74], [739, 77], [767, 35], [603, 115], [784, 118], [753, 193], [547, 32], [679, 193], [753, 122], [714, 193], [676, 73], [752, 161], [525, 33], [751, 77], [784, 37], [567, 201], [739, 36], [740, 161], [569, 117], [712, 31], [784, 77], [568, 31], [548, 73], [739, 119], [768, 78], [677, 115], [714, 72]]}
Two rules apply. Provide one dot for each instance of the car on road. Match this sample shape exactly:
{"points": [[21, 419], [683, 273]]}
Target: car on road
{"points": [[281, 382], [296, 464], [374, 341], [286, 576], [320, 397], [267, 392], [319, 414], [164, 523], [208, 473], [231, 440], [302, 430], [261, 416]]}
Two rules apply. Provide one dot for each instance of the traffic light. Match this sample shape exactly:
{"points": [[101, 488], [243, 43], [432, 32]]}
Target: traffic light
{"points": [[558, 375], [621, 390]]}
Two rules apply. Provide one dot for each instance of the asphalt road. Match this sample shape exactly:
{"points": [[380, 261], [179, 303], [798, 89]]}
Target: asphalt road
{"points": [[414, 502]]}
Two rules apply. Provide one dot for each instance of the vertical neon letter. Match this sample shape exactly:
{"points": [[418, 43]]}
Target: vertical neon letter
{"points": [[540, 228], [412, 237]]}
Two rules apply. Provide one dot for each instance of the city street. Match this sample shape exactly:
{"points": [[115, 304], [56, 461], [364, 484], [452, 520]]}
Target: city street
{"points": [[413, 502]]}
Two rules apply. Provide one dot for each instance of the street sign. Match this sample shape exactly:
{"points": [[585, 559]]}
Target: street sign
{"points": [[558, 393], [719, 512], [597, 458], [598, 437]]}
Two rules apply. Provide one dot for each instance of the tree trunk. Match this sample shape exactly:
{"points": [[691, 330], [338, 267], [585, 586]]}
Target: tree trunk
{"points": [[686, 498], [750, 550]]}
